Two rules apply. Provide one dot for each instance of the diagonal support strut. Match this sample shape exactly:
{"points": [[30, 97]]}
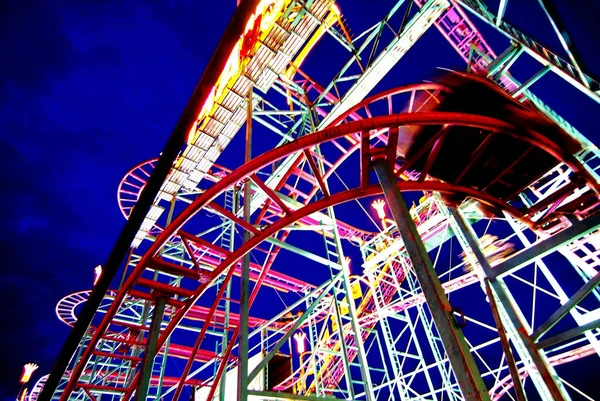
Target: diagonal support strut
{"points": [[463, 363]]}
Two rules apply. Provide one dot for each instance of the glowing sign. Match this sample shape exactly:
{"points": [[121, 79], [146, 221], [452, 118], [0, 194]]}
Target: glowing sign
{"points": [[97, 273], [355, 290], [267, 13], [28, 370], [379, 206], [300, 338]]}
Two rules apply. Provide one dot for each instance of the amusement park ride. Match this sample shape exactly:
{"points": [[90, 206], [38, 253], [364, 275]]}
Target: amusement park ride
{"points": [[235, 283]]}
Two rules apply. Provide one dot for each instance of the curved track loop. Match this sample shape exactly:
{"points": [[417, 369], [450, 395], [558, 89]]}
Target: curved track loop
{"points": [[425, 96], [369, 130], [66, 307], [37, 388], [133, 182]]}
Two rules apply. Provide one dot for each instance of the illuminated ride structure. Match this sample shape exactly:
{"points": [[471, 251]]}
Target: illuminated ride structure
{"points": [[460, 296]]}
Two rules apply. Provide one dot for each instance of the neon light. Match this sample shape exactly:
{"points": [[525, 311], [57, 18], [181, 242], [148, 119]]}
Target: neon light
{"points": [[336, 10], [271, 13], [97, 273], [346, 262], [300, 338], [355, 290], [28, 370], [266, 15], [379, 206], [23, 395]]}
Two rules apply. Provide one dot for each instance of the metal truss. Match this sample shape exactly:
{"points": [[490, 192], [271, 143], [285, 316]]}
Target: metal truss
{"points": [[400, 330]]}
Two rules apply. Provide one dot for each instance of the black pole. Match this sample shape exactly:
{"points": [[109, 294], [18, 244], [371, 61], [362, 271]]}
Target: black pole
{"points": [[174, 145], [564, 37]]}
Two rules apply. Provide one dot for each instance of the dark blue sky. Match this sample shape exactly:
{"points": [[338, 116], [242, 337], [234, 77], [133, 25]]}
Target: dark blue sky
{"points": [[89, 89]]}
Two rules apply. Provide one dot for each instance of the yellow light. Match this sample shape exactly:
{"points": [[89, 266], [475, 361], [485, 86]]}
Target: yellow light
{"points": [[231, 70], [355, 290], [208, 104], [270, 11], [379, 206], [265, 17], [28, 370], [335, 9], [97, 273], [23, 395]]}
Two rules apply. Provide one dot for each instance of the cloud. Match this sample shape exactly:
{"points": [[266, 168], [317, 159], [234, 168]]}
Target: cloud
{"points": [[35, 39]]}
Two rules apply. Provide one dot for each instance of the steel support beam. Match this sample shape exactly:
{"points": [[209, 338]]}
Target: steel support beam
{"points": [[570, 73], [500, 65], [304, 253], [550, 389], [547, 246], [564, 310], [510, 359], [146, 372], [462, 361], [356, 329], [554, 284], [569, 334], [526, 85], [564, 38], [263, 363], [389, 57], [501, 11], [242, 393], [225, 335]]}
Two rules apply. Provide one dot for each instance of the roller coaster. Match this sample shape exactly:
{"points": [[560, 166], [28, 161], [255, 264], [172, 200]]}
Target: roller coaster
{"points": [[430, 241]]}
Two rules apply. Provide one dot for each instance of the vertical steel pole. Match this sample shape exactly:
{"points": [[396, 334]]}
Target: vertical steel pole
{"points": [[242, 393], [360, 349], [163, 364], [126, 267], [548, 387], [463, 364], [146, 373], [225, 337], [510, 359]]}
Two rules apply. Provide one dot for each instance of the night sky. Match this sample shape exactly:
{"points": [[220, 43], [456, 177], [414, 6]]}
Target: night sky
{"points": [[88, 89]]}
